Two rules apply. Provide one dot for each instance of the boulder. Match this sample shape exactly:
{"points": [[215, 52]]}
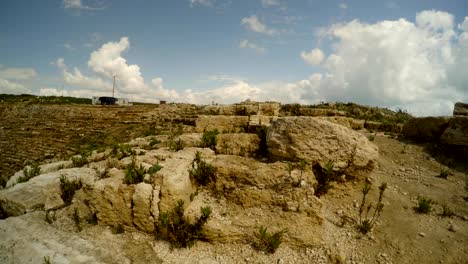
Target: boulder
{"points": [[457, 132], [260, 120], [237, 144], [143, 217], [315, 140], [190, 139], [222, 123], [425, 129], [176, 183], [460, 109], [345, 121], [45, 168], [41, 192]]}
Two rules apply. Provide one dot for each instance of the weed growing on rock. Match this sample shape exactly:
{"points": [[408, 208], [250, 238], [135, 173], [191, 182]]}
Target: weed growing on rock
{"points": [[29, 173], [424, 205], [121, 151], [446, 211], [134, 174], [176, 228], [444, 173], [208, 139], [325, 176], [76, 219], [366, 223], [155, 168], [68, 189], [46, 260], [154, 142], [118, 229], [201, 171], [268, 242], [176, 145], [80, 161]]}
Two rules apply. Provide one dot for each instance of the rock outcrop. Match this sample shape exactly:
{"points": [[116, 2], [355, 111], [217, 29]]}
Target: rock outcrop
{"points": [[237, 144], [315, 140], [222, 123], [425, 128], [456, 132], [460, 109]]}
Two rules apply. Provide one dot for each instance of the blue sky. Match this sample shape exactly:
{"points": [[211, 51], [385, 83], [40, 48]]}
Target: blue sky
{"points": [[405, 54]]}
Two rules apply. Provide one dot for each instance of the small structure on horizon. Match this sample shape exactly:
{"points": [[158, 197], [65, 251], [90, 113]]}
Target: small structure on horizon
{"points": [[106, 100]]}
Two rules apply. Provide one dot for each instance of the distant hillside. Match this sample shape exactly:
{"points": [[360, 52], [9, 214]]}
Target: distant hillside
{"points": [[29, 98]]}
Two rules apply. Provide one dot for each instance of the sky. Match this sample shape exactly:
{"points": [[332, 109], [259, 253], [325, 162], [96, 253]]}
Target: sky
{"points": [[410, 55]]}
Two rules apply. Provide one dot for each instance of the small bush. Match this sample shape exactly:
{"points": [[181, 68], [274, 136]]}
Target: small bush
{"points": [[176, 228], [155, 168], [446, 211], [76, 219], [29, 173], [176, 145], [366, 221], [121, 151], [444, 173], [325, 176], [154, 142], [118, 229], [267, 242], [201, 171], [208, 139], [424, 205], [69, 188], [134, 174], [80, 161]]}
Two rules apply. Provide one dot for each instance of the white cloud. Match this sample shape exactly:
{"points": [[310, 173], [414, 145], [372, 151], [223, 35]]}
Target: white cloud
{"points": [[266, 3], [201, 2], [343, 6], [9, 87], [397, 64], [78, 5], [246, 44], [313, 57], [17, 73], [68, 47], [252, 23]]}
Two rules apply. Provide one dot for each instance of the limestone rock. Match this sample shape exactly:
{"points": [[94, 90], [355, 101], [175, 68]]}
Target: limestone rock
{"points": [[191, 139], [142, 202], [45, 168], [345, 121], [41, 190], [260, 120], [460, 109], [425, 128], [457, 132], [316, 140], [237, 144], [176, 182], [222, 123]]}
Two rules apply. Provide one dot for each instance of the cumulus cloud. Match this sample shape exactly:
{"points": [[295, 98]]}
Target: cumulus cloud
{"points": [[397, 64], [9, 87], [313, 57], [17, 73], [201, 2], [254, 24], [78, 5], [246, 44]]}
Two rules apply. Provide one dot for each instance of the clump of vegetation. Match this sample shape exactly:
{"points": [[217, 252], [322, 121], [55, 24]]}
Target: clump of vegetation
{"points": [[208, 139], [446, 211], [268, 242], [118, 229], [154, 142], [121, 151], [176, 145], [444, 173], [201, 171], [46, 260], [76, 219], [424, 205], [29, 173], [366, 223], [325, 176], [176, 228], [69, 188], [81, 160], [49, 218], [155, 168], [134, 174]]}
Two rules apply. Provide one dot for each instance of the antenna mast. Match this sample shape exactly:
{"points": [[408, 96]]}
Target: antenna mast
{"points": [[113, 85]]}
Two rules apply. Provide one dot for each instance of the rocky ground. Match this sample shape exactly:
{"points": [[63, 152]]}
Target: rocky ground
{"points": [[248, 192]]}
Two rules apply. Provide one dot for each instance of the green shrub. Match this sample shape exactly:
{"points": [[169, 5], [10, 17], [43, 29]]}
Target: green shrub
{"points": [[69, 188], [155, 168], [325, 176], [201, 171], [208, 139], [267, 242], [366, 222], [424, 205], [121, 151], [134, 174], [76, 219], [29, 173], [176, 228], [80, 161], [154, 142], [176, 145]]}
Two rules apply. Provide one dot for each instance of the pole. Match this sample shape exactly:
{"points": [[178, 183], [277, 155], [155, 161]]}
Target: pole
{"points": [[113, 85]]}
